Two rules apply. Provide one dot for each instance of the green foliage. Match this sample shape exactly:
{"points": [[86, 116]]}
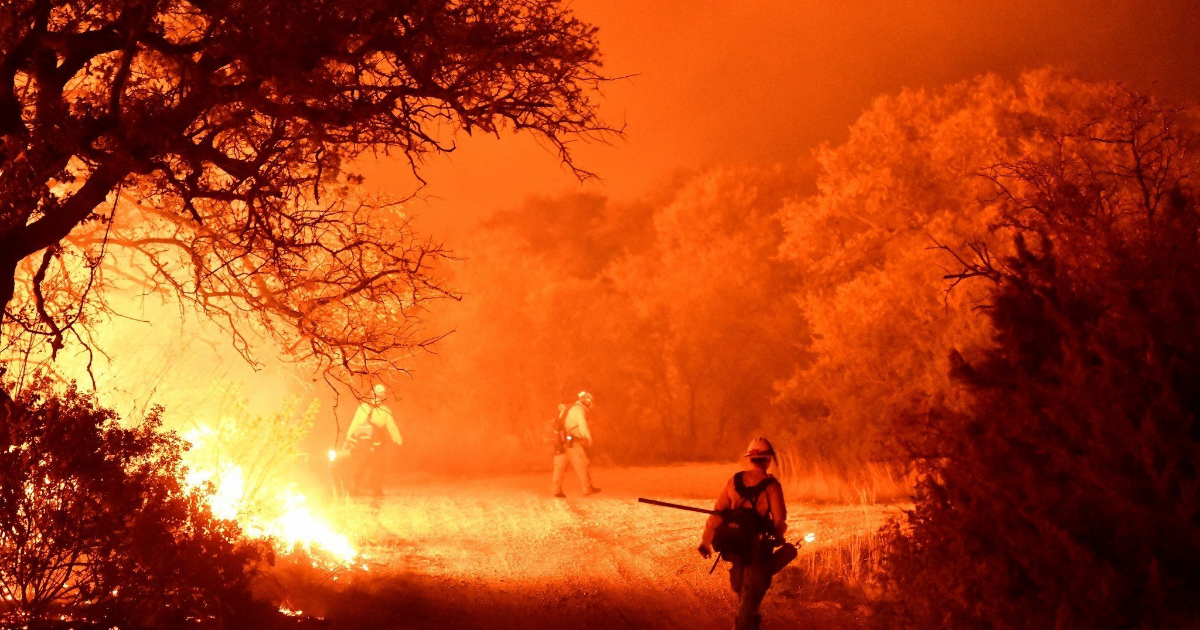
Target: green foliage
{"points": [[97, 530], [1066, 493]]}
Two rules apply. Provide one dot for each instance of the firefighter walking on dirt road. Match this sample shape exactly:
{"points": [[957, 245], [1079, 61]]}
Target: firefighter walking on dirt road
{"points": [[577, 440], [365, 441], [747, 529]]}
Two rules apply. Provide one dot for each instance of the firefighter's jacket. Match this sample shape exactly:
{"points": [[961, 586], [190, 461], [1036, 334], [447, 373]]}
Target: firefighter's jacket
{"points": [[576, 424], [379, 417], [770, 502]]}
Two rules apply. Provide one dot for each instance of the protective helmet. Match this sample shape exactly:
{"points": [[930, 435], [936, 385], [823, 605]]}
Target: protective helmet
{"points": [[760, 447], [379, 390], [586, 399]]}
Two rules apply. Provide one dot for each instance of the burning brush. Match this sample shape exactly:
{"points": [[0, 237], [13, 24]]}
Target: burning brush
{"points": [[248, 468]]}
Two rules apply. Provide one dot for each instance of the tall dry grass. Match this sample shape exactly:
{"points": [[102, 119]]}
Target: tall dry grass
{"points": [[852, 566], [817, 481], [846, 569]]}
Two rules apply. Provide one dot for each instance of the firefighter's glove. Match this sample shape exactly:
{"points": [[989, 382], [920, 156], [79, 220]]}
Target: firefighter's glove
{"points": [[705, 550]]}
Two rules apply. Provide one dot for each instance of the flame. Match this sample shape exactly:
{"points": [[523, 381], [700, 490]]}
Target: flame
{"points": [[298, 527], [279, 513], [243, 450], [810, 537], [229, 490]]}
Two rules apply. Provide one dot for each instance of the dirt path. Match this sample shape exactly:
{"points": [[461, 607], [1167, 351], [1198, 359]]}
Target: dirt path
{"points": [[501, 553]]}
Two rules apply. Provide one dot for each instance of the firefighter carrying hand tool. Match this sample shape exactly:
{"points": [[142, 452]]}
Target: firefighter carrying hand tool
{"points": [[577, 440], [365, 442], [747, 529]]}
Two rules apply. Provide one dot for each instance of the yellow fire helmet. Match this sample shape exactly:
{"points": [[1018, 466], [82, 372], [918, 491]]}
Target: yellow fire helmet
{"points": [[586, 399]]}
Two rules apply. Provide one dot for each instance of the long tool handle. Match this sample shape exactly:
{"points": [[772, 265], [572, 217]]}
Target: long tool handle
{"points": [[675, 506]]}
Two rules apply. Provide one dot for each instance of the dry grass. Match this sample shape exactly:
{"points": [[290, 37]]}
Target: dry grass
{"points": [[848, 569], [843, 566], [804, 481], [501, 553], [820, 482]]}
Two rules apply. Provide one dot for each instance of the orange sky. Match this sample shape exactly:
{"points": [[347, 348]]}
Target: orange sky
{"points": [[725, 82]]}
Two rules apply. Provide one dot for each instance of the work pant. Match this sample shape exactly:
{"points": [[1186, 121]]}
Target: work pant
{"points": [[577, 457], [366, 474], [750, 580]]}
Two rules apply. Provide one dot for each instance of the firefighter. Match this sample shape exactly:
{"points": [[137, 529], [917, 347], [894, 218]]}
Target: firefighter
{"points": [[365, 441], [761, 495], [578, 440]]}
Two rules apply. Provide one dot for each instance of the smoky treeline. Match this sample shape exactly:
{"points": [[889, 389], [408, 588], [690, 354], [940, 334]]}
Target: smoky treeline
{"points": [[803, 301]]}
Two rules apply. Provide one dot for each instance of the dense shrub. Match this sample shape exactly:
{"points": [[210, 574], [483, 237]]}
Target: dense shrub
{"points": [[96, 529], [1067, 495]]}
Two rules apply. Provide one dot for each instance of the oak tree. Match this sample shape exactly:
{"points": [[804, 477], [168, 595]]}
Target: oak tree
{"points": [[197, 147]]}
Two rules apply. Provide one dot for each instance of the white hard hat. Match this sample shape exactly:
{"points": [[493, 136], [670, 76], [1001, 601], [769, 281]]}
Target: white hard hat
{"points": [[586, 399], [760, 447], [380, 390]]}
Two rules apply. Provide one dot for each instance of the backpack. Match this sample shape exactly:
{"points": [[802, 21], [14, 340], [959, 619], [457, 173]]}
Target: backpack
{"points": [[556, 433], [368, 433], [365, 433], [742, 528]]}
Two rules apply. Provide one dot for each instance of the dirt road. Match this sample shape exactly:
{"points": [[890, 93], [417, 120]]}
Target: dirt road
{"points": [[502, 553]]}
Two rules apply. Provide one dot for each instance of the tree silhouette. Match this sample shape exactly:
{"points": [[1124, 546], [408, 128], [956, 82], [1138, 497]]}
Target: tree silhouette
{"points": [[199, 144], [1065, 494], [911, 174]]}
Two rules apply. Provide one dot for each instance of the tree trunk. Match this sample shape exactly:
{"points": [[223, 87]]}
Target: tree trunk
{"points": [[8, 286]]}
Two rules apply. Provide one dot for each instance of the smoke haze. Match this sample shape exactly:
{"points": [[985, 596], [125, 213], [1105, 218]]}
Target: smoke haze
{"points": [[729, 83], [756, 87], [657, 284]]}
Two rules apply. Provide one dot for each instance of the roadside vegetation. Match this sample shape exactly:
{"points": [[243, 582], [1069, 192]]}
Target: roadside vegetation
{"points": [[989, 295], [970, 329]]}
